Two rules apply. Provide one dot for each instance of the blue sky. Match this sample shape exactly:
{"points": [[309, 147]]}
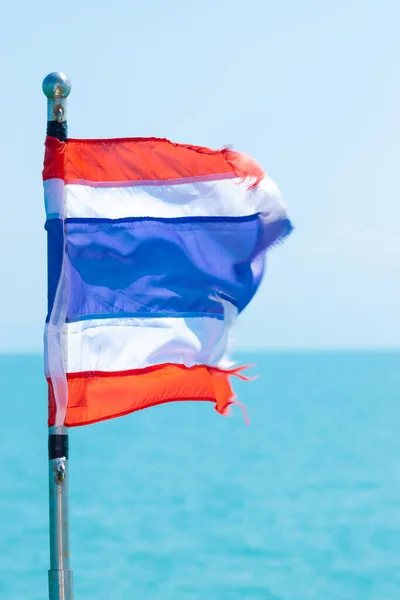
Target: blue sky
{"points": [[311, 89]]}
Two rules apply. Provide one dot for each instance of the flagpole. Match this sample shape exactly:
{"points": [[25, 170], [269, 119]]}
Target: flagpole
{"points": [[56, 87]]}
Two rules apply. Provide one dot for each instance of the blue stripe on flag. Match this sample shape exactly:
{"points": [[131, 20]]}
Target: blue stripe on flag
{"points": [[170, 266], [55, 246]]}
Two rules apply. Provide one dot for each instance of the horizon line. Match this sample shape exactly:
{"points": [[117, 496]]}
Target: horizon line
{"points": [[277, 350]]}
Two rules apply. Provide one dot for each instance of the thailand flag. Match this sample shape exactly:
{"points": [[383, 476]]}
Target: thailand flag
{"points": [[153, 250]]}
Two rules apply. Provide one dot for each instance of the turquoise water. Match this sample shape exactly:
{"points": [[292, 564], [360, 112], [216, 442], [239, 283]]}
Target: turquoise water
{"points": [[179, 503]]}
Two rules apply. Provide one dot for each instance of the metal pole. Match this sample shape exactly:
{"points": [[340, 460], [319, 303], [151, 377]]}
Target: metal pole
{"points": [[60, 573], [56, 88]]}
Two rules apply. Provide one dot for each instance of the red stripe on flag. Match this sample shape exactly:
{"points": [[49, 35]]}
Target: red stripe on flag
{"points": [[97, 396], [141, 159]]}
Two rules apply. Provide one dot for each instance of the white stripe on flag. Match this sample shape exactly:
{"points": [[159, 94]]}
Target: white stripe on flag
{"points": [[134, 343], [218, 198]]}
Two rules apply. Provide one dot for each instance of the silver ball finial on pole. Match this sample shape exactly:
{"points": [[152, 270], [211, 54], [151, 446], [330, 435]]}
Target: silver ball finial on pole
{"points": [[56, 84], [56, 87]]}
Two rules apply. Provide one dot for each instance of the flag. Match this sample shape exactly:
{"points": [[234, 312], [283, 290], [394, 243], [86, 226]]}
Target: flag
{"points": [[154, 248]]}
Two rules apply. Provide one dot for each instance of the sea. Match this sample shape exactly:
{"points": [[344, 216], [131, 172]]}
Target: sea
{"points": [[180, 503]]}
